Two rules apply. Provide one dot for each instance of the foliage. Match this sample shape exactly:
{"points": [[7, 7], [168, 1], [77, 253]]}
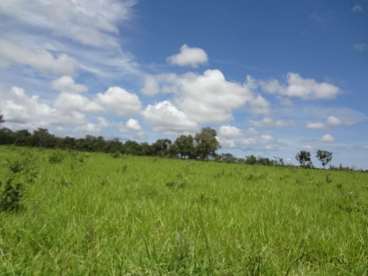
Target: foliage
{"points": [[56, 157], [10, 195], [324, 156], [203, 147], [304, 159], [184, 146], [206, 143]]}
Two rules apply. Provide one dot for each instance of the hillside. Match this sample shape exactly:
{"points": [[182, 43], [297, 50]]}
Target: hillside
{"points": [[89, 213]]}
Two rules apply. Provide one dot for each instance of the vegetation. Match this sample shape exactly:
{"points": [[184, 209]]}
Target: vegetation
{"points": [[304, 159], [324, 156], [203, 146], [75, 213]]}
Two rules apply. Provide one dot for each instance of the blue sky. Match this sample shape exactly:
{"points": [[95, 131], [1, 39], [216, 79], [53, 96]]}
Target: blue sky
{"points": [[271, 77]]}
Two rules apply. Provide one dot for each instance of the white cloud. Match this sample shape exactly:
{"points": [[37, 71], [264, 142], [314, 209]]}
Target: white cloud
{"points": [[315, 125], [19, 108], [229, 132], [27, 111], [189, 56], [92, 23], [231, 137], [66, 84], [150, 86], [75, 102], [63, 37], [119, 101], [133, 124], [269, 122], [209, 97], [38, 58], [297, 87], [332, 122], [328, 138], [93, 128], [166, 117]]}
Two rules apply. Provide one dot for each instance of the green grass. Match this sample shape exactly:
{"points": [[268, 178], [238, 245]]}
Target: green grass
{"points": [[92, 214]]}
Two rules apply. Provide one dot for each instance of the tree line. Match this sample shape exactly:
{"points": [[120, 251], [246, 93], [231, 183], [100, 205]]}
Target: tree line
{"points": [[200, 146]]}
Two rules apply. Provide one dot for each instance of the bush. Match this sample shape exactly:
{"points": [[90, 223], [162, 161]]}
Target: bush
{"points": [[56, 157], [16, 166], [10, 195]]}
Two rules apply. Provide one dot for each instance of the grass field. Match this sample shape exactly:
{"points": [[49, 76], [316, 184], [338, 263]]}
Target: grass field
{"points": [[93, 214]]}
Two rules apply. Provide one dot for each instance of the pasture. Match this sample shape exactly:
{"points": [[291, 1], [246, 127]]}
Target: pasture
{"points": [[97, 214]]}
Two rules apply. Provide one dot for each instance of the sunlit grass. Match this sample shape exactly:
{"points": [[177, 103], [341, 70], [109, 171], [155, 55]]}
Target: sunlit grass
{"points": [[99, 215]]}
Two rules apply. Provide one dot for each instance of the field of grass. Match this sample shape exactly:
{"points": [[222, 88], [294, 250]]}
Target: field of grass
{"points": [[93, 214]]}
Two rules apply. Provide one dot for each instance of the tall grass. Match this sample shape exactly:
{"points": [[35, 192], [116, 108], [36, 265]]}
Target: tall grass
{"points": [[94, 214]]}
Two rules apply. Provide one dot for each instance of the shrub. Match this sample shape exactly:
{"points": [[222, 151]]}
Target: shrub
{"points": [[16, 166], [56, 157], [10, 195]]}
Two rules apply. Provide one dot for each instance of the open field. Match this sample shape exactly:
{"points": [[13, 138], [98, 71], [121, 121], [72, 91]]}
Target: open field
{"points": [[93, 214]]}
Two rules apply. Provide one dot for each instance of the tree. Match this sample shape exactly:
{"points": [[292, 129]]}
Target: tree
{"points": [[42, 138], [324, 156], [184, 146], [161, 147], [132, 147], [1, 119], [251, 160], [22, 137], [206, 143], [304, 158]]}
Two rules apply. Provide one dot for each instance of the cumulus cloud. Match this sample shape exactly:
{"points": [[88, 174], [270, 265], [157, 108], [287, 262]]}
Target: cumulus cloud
{"points": [[66, 84], [231, 137], [328, 138], [119, 101], [297, 87], [189, 56], [93, 128], [166, 117], [28, 111], [19, 108], [229, 132], [76, 102], [209, 97], [332, 122], [133, 125]]}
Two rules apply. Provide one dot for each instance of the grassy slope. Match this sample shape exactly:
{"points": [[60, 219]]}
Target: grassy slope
{"points": [[118, 216]]}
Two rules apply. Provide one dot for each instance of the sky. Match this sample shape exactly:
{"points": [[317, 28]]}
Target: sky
{"points": [[272, 77]]}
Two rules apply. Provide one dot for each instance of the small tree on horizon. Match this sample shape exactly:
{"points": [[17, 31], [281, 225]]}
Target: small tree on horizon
{"points": [[206, 143], [1, 119], [304, 159], [324, 156]]}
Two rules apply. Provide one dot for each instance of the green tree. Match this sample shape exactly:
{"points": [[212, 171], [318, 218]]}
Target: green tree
{"points": [[42, 138], [304, 158], [206, 143], [184, 146], [324, 156], [161, 147]]}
